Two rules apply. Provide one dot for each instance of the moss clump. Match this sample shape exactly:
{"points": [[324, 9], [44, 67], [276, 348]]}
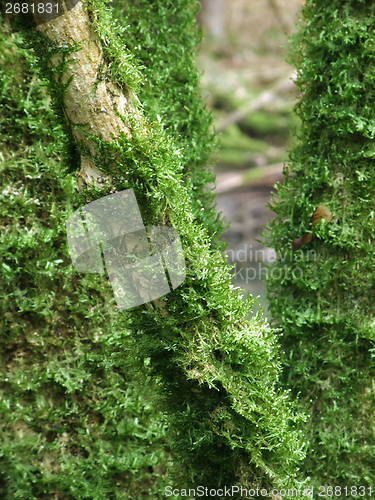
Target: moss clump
{"points": [[326, 309], [76, 421]]}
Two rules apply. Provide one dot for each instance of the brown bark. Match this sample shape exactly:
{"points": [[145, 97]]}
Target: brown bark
{"points": [[91, 98]]}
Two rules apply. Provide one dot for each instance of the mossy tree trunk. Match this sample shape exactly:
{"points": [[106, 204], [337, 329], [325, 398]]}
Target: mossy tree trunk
{"points": [[215, 370], [325, 300]]}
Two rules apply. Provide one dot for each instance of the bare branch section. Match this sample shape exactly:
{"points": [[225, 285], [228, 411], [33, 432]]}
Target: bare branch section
{"points": [[90, 101]]}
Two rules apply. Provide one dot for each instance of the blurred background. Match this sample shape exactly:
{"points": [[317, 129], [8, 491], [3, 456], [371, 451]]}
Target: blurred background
{"points": [[249, 88]]}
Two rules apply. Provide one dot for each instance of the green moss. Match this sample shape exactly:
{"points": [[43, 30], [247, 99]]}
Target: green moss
{"points": [[68, 400], [270, 126], [234, 138], [73, 385], [239, 150], [327, 309]]}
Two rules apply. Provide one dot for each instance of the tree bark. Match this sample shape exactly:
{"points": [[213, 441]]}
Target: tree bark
{"points": [[92, 103]]}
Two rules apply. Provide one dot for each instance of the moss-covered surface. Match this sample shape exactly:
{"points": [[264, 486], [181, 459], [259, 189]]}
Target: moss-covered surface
{"points": [[274, 127], [327, 308], [65, 380], [79, 412]]}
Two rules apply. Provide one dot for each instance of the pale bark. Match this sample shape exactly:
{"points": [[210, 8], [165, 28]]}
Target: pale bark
{"points": [[89, 101]]}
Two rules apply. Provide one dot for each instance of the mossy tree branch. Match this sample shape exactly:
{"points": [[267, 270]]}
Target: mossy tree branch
{"points": [[93, 103]]}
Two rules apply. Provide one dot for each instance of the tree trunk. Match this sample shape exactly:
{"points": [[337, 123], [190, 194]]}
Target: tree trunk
{"points": [[326, 304]]}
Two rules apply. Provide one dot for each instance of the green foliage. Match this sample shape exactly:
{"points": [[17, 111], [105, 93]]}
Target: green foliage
{"points": [[81, 379], [239, 150], [164, 42], [326, 308], [274, 126], [76, 420]]}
